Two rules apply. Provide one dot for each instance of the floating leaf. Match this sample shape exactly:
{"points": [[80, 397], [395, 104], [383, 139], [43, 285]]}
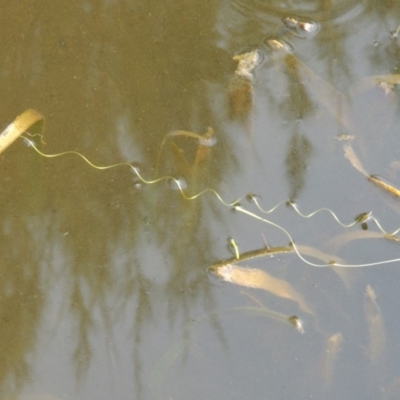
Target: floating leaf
{"points": [[326, 94], [350, 154], [376, 328], [332, 349], [356, 163], [20, 125], [259, 279], [385, 186]]}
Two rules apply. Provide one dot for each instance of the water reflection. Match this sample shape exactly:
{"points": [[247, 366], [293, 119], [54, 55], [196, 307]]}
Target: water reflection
{"points": [[296, 163], [103, 276]]}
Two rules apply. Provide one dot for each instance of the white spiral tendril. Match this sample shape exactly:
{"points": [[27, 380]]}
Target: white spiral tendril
{"points": [[238, 207]]}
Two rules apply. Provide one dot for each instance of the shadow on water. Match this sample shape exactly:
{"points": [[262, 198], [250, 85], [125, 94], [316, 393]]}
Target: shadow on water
{"points": [[104, 290]]}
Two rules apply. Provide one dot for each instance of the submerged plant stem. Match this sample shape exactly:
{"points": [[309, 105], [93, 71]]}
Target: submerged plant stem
{"points": [[251, 255]]}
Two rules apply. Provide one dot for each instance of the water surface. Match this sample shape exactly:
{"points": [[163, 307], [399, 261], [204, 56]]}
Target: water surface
{"points": [[105, 291]]}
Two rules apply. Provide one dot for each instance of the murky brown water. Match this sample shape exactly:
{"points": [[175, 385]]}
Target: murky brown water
{"points": [[104, 290]]}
